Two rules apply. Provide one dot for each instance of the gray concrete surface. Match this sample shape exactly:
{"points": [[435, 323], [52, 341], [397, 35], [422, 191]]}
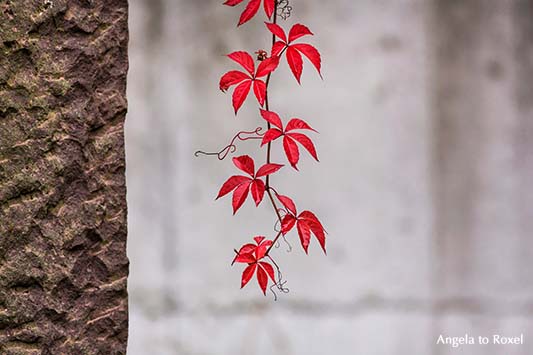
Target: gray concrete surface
{"points": [[424, 184]]}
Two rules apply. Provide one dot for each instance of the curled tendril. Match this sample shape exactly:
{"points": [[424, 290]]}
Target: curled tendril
{"points": [[277, 228], [284, 9], [280, 285], [289, 246], [231, 147]]}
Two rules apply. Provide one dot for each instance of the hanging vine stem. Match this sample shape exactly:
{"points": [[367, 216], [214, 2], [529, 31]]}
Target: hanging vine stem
{"points": [[232, 148], [269, 145]]}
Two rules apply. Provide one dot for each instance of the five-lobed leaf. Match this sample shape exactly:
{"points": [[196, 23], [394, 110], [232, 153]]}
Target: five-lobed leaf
{"points": [[290, 138], [244, 81], [242, 186], [294, 51], [306, 223], [252, 8], [253, 255]]}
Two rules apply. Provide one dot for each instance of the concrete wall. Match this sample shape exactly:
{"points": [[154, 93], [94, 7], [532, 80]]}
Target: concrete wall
{"points": [[424, 184]]}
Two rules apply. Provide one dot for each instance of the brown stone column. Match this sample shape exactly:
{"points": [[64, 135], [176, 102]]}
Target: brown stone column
{"points": [[63, 263]]}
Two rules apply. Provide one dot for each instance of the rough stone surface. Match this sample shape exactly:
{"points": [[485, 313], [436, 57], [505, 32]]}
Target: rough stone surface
{"points": [[425, 117], [63, 264]]}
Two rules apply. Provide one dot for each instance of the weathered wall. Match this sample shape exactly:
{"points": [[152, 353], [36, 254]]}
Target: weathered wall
{"points": [[63, 263], [426, 150]]}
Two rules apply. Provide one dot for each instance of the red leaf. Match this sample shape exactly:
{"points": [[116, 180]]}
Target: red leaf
{"points": [[268, 169], [233, 2], [292, 151], [247, 274], [267, 66], [294, 58], [305, 142], [269, 269], [310, 217], [245, 258], [316, 227], [262, 249], [262, 279], [258, 190], [240, 93], [277, 48], [304, 233], [239, 196], [269, 7], [311, 53], [232, 78], [243, 59], [245, 163], [297, 123], [277, 31], [298, 31], [259, 239], [250, 11], [287, 223], [288, 203], [260, 91], [247, 248], [231, 184], [270, 135], [272, 118]]}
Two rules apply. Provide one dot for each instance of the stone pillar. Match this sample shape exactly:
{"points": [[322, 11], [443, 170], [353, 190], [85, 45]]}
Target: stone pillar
{"points": [[63, 263]]}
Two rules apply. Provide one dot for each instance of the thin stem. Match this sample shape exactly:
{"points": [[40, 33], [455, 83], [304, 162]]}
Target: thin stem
{"points": [[270, 144]]}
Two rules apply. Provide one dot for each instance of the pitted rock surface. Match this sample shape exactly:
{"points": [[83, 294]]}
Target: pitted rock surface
{"points": [[63, 263]]}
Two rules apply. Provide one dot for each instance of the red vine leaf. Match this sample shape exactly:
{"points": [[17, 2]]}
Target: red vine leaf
{"points": [[306, 223], [240, 94], [231, 78], [297, 123], [245, 163], [244, 59], [252, 8], [247, 274], [277, 31], [244, 81], [296, 63], [290, 138], [252, 255], [294, 51], [262, 278], [267, 66], [231, 184], [291, 151], [287, 223], [305, 142], [258, 191], [288, 203], [239, 196], [268, 169], [272, 118], [269, 269], [316, 227], [297, 31], [243, 185]]}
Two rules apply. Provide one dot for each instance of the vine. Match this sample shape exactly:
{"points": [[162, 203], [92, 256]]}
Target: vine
{"points": [[257, 256]]}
